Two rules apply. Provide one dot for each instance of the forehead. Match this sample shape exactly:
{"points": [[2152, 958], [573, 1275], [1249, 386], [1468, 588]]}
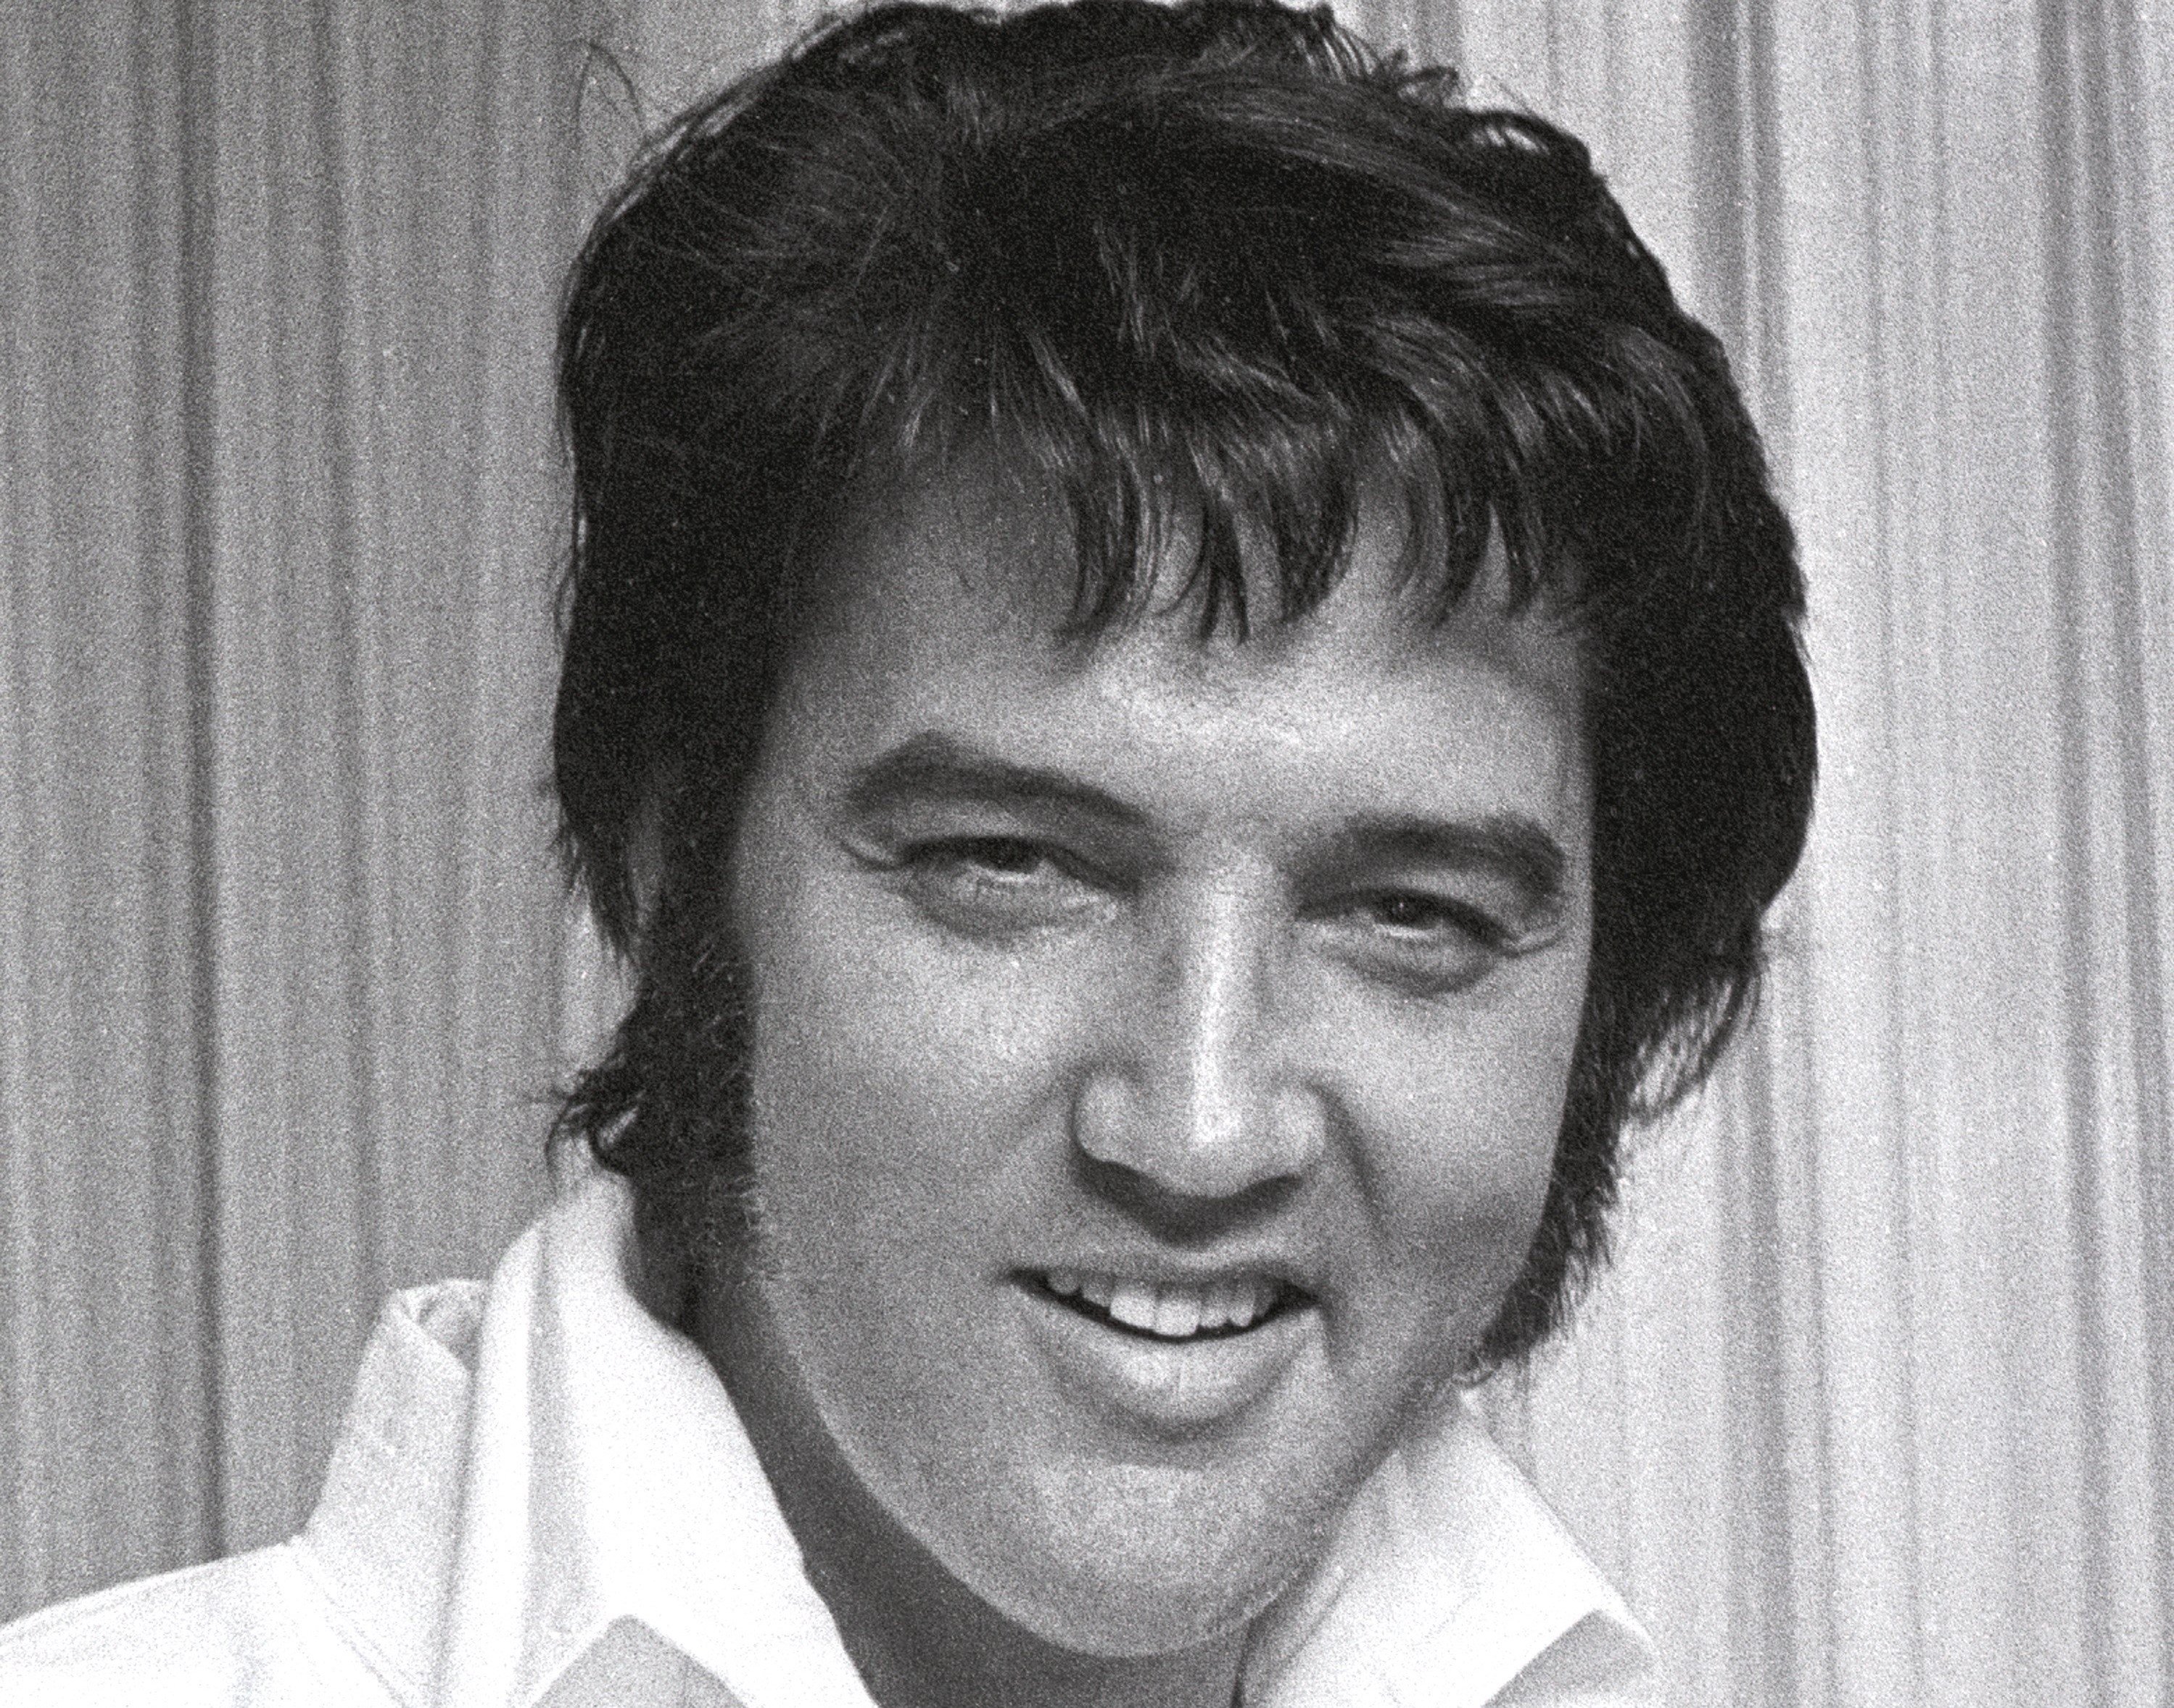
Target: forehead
{"points": [[952, 599]]}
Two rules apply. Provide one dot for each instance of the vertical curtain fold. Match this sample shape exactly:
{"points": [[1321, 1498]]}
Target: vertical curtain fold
{"points": [[279, 981], [393, 201], [2106, 266], [102, 1288]]}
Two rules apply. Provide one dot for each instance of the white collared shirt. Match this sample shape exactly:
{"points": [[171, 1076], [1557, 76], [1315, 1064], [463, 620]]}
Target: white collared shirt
{"points": [[542, 1498]]}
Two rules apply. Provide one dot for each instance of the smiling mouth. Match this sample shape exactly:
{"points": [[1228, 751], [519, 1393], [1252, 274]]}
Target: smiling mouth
{"points": [[1217, 1309]]}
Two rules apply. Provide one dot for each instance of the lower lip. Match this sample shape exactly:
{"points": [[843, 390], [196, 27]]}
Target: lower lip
{"points": [[1174, 1387]]}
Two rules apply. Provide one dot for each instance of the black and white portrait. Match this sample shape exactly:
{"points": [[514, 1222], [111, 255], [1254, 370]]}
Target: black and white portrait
{"points": [[1153, 853]]}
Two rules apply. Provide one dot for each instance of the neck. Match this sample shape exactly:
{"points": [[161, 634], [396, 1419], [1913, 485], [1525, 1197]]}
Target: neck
{"points": [[919, 1637]]}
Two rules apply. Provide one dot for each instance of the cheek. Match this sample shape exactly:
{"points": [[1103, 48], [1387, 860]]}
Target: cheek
{"points": [[892, 1082], [1461, 1121]]}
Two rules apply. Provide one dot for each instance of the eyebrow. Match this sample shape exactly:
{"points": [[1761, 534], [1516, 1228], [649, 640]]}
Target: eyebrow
{"points": [[930, 766]]}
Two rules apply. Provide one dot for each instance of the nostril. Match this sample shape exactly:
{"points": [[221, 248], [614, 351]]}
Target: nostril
{"points": [[1175, 1216], [1198, 1146]]}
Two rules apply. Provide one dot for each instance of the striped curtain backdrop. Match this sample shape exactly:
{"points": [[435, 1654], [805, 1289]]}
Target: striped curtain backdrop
{"points": [[1875, 1408], [279, 504]]}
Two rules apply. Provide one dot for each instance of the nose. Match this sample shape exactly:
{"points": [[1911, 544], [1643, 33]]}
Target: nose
{"points": [[1199, 1089]]}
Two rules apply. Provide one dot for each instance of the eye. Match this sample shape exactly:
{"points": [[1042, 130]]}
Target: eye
{"points": [[1415, 914], [1013, 857], [1424, 943], [1420, 913], [996, 886]]}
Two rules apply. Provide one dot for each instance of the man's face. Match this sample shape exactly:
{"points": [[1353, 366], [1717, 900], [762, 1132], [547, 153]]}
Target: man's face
{"points": [[1158, 1050]]}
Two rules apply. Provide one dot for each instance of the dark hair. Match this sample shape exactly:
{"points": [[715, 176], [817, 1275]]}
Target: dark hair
{"points": [[1218, 255]]}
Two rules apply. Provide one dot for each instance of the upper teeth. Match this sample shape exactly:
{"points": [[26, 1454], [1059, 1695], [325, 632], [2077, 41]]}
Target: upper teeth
{"points": [[1173, 1310]]}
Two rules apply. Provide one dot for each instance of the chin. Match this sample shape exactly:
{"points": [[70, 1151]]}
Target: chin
{"points": [[1132, 1620], [1125, 1564]]}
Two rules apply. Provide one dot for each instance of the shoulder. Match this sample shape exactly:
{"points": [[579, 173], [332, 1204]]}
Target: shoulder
{"points": [[251, 1632]]}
